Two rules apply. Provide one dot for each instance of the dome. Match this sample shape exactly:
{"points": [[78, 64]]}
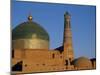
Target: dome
{"points": [[27, 29], [82, 63], [30, 34]]}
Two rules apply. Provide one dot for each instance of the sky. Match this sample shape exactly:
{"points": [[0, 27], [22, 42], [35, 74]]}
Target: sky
{"points": [[51, 18]]}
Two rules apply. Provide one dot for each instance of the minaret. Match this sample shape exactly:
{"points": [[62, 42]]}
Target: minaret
{"points": [[67, 43]]}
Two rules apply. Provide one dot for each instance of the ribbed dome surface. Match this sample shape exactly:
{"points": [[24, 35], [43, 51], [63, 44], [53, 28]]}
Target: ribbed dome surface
{"points": [[27, 29], [82, 62]]}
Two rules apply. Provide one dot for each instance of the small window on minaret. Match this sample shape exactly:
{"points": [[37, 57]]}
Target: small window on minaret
{"points": [[53, 55], [70, 59]]}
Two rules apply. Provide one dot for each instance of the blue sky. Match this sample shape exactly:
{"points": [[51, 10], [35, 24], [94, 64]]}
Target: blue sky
{"points": [[51, 17]]}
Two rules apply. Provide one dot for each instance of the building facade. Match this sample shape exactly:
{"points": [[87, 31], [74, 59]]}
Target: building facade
{"points": [[31, 53]]}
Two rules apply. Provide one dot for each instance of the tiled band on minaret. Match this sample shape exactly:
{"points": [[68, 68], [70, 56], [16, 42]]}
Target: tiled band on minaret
{"points": [[67, 43]]}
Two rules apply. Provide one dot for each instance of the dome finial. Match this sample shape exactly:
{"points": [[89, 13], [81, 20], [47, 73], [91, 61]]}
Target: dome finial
{"points": [[30, 17]]}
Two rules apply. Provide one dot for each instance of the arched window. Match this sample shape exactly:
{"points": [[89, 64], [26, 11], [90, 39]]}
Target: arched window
{"points": [[53, 56], [12, 53], [66, 62], [17, 66], [70, 59]]}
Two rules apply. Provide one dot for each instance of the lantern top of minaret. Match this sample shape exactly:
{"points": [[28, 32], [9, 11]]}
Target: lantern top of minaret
{"points": [[67, 13]]}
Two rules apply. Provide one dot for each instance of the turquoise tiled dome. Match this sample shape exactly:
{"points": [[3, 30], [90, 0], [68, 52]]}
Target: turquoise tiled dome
{"points": [[27, 29]]}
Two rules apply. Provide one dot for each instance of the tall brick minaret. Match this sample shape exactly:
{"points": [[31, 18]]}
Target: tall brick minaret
{"points": [[67, 43]]}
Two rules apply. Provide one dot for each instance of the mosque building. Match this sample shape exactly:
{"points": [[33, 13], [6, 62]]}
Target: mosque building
{"points": [[31, 53]]}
